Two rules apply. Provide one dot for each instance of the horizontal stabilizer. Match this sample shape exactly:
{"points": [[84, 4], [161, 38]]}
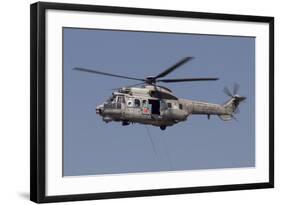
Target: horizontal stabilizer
{"points": [[225, 117]]}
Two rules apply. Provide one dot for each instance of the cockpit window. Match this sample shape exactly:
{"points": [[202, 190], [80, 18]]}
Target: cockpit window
{"points": [[121, 99]]}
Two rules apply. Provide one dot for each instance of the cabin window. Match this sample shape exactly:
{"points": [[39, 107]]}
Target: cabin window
{"points": [[130, 103], [180, 106], [144, 103], [169, 105], [137, 102]]}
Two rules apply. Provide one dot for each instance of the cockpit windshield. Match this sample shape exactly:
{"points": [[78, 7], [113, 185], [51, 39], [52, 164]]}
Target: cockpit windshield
{"points": [[116, 99], [114, 102], [111, 99]]}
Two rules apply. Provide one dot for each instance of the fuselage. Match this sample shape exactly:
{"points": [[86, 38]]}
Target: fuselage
{"points": [[153, 105]]}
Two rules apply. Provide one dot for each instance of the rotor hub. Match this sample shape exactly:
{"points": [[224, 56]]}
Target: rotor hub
{"points": [[150, 80]]}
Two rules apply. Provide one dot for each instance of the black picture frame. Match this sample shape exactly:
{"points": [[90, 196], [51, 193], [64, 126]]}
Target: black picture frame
{"points": [[38, 101]]}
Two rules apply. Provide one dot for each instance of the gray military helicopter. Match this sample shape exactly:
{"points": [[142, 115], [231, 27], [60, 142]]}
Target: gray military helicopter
{"points": [[152, 104]]}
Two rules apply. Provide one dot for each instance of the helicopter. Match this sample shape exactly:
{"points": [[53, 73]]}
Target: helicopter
{"points": [[152, 104]]}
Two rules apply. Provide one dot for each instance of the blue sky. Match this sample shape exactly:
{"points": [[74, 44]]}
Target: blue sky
{"points": [[94, 147]]}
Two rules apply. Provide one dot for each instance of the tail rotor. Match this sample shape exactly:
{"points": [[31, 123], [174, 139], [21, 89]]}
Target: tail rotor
{"points": [[231, 105], [236, 88], [234, 92]]}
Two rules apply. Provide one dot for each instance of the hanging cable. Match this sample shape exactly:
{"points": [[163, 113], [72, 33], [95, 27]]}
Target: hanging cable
{"points": [[167, 153], [151, 141]]}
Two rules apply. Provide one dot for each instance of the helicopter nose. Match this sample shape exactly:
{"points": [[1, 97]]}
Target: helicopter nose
{"points": [[99, 109]]}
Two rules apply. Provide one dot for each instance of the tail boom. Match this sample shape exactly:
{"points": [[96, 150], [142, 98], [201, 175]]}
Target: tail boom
{"points": [[204, 108], [225, 111]]}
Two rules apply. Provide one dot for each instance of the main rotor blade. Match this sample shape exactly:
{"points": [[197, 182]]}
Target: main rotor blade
{"points": [[107, 74], [172, 68], [186, 80]]}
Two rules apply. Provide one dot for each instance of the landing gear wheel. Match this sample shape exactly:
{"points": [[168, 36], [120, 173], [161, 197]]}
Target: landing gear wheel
{"points": [[125, 123], [162, 127]]}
